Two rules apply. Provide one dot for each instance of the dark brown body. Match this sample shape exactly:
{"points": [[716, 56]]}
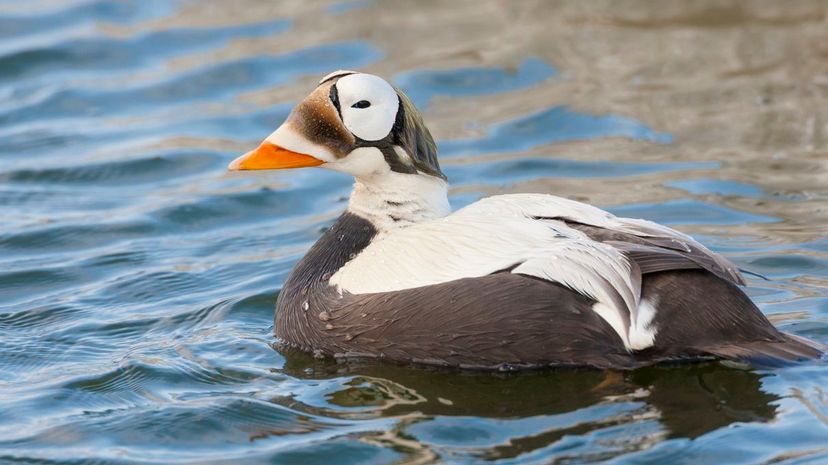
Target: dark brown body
{"points": [[510, 321]]}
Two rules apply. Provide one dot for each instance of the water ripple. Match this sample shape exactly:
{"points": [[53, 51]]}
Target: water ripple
{"points": [[124, 12], [422, 85], [138, 279], [95, 55], [556, 124], [213, 83], [119, 173]]}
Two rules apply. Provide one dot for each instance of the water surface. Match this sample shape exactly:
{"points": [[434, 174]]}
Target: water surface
{"points": [[138, 278]]}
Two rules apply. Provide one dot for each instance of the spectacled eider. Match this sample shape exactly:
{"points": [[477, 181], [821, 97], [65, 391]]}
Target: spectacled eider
{"points": [[522, 280]]}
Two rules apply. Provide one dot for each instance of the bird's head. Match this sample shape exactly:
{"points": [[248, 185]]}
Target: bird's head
{"points": [[352, 122]]}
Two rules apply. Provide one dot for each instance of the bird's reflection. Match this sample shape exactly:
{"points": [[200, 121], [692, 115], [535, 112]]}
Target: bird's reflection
{"points": [[690, 399]]}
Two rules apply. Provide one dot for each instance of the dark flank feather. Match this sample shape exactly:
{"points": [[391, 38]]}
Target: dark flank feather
{"points": [[700, 313], [770, 353]]}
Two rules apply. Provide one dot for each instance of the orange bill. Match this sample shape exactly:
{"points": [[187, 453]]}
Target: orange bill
{"points": [[272, 157]]}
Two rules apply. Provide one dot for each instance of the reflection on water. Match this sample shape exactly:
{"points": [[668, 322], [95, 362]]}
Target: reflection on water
{"points": [[138, 278], [687, 399]]}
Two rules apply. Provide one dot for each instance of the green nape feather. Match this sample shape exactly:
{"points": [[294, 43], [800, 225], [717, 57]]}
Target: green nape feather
{"points": [[415, 138]]}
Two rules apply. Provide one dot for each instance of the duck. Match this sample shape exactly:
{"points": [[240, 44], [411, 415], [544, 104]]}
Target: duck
{"points": [[510, 282]]}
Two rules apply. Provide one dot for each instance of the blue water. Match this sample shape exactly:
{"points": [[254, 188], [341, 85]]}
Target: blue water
{"points": [[138, 278]]}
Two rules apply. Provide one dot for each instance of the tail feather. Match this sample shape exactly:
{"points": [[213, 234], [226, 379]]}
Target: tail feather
{"points": [[790, 348]]}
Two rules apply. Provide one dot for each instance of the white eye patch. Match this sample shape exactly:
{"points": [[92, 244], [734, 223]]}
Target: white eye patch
{"points": [[369, 105]]}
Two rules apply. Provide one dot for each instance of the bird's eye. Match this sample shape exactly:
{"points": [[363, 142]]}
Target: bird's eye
{"points": [[361, 104]]}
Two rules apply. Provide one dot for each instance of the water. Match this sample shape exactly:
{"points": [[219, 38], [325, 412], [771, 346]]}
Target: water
{"points": [[138, 278]]}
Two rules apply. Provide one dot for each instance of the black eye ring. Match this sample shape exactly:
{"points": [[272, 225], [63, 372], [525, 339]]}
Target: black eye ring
{"points": [[361, 104]]}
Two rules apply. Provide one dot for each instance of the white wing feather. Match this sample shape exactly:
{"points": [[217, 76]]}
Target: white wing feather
{"points": [[549, 206]]}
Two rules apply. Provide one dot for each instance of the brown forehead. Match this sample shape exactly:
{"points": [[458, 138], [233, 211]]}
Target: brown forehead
{"points": [[316, 118]]}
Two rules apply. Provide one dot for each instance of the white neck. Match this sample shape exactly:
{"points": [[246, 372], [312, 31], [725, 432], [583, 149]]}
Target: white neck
{"points": [[393, 200]]}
